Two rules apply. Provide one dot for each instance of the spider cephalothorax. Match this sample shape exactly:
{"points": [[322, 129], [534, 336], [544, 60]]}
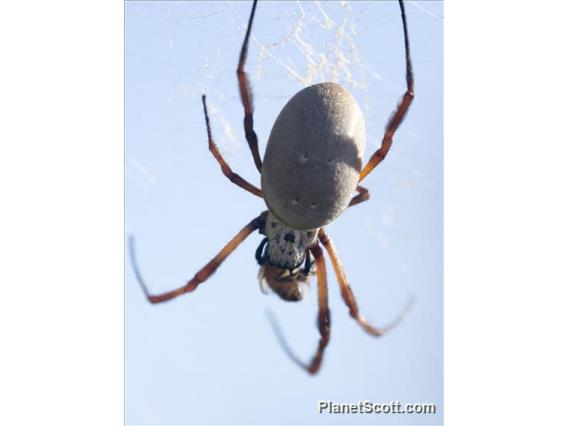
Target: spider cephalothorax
{"points": [[284, 247]]}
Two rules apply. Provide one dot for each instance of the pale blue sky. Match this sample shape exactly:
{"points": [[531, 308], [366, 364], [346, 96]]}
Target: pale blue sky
{"points": [[211, 356]]}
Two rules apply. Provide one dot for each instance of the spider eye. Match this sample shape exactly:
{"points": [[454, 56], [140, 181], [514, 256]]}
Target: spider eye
{"points": [[289, 237]]}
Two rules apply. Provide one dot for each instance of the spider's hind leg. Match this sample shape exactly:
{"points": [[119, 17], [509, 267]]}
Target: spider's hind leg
{"points": [[400, 111], [363, 195], [246, 94], [225, 168]]}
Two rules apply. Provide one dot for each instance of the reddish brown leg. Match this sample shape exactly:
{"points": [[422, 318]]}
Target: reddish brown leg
{"points": [[323, 318], [227, 171], [363, 195], [246, 95], [347, 293], [204, 273], [324, 322], [399, 112]]}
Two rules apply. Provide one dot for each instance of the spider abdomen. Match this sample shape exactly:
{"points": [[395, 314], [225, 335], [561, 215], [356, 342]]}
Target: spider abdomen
{"points": [[314, 156]]}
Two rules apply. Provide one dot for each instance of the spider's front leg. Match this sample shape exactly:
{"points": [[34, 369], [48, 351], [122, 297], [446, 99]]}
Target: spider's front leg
{"points": [[323, 318], [204, 273], [347, 293]]}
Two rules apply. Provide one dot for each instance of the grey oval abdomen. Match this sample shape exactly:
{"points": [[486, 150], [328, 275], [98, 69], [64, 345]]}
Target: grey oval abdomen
{"points": [[314, 155]]}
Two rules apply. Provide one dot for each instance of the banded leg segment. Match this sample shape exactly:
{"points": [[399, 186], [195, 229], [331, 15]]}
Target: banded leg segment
{"points": [[323, 318], [400, 112], [347, 293], [363, 195], [246, 94], [225, 168], [204, 273]]}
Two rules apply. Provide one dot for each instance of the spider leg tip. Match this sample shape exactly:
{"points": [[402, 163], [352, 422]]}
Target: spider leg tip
{"points": [[410, 303]]}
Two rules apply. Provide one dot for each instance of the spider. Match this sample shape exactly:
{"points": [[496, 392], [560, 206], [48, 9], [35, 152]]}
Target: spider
{"points": [[311, 169]]}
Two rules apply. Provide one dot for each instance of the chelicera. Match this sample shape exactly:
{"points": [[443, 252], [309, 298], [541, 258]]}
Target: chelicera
{"points": [[311, 170]]}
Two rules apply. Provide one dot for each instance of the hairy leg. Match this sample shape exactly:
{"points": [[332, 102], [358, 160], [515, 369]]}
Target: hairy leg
{"points": [[347, 293], [204, 273], [400, 111], [225, 168], [363, 195], [246, 95], [323, 319]]}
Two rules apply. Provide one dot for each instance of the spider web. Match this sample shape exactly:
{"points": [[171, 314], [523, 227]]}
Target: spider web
{"points": [[305, 43], [293, 45]]}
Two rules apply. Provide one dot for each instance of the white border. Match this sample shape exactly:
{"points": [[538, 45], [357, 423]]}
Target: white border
{"points": [[61, 220], [506, 213]]}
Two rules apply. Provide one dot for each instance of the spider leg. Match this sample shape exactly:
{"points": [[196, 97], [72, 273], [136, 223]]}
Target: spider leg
{"points": [[363, 195], [204, 273], [226, 169], [282, 340], [400, 111], [246, 94], [323, 319], [349, 297]]}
